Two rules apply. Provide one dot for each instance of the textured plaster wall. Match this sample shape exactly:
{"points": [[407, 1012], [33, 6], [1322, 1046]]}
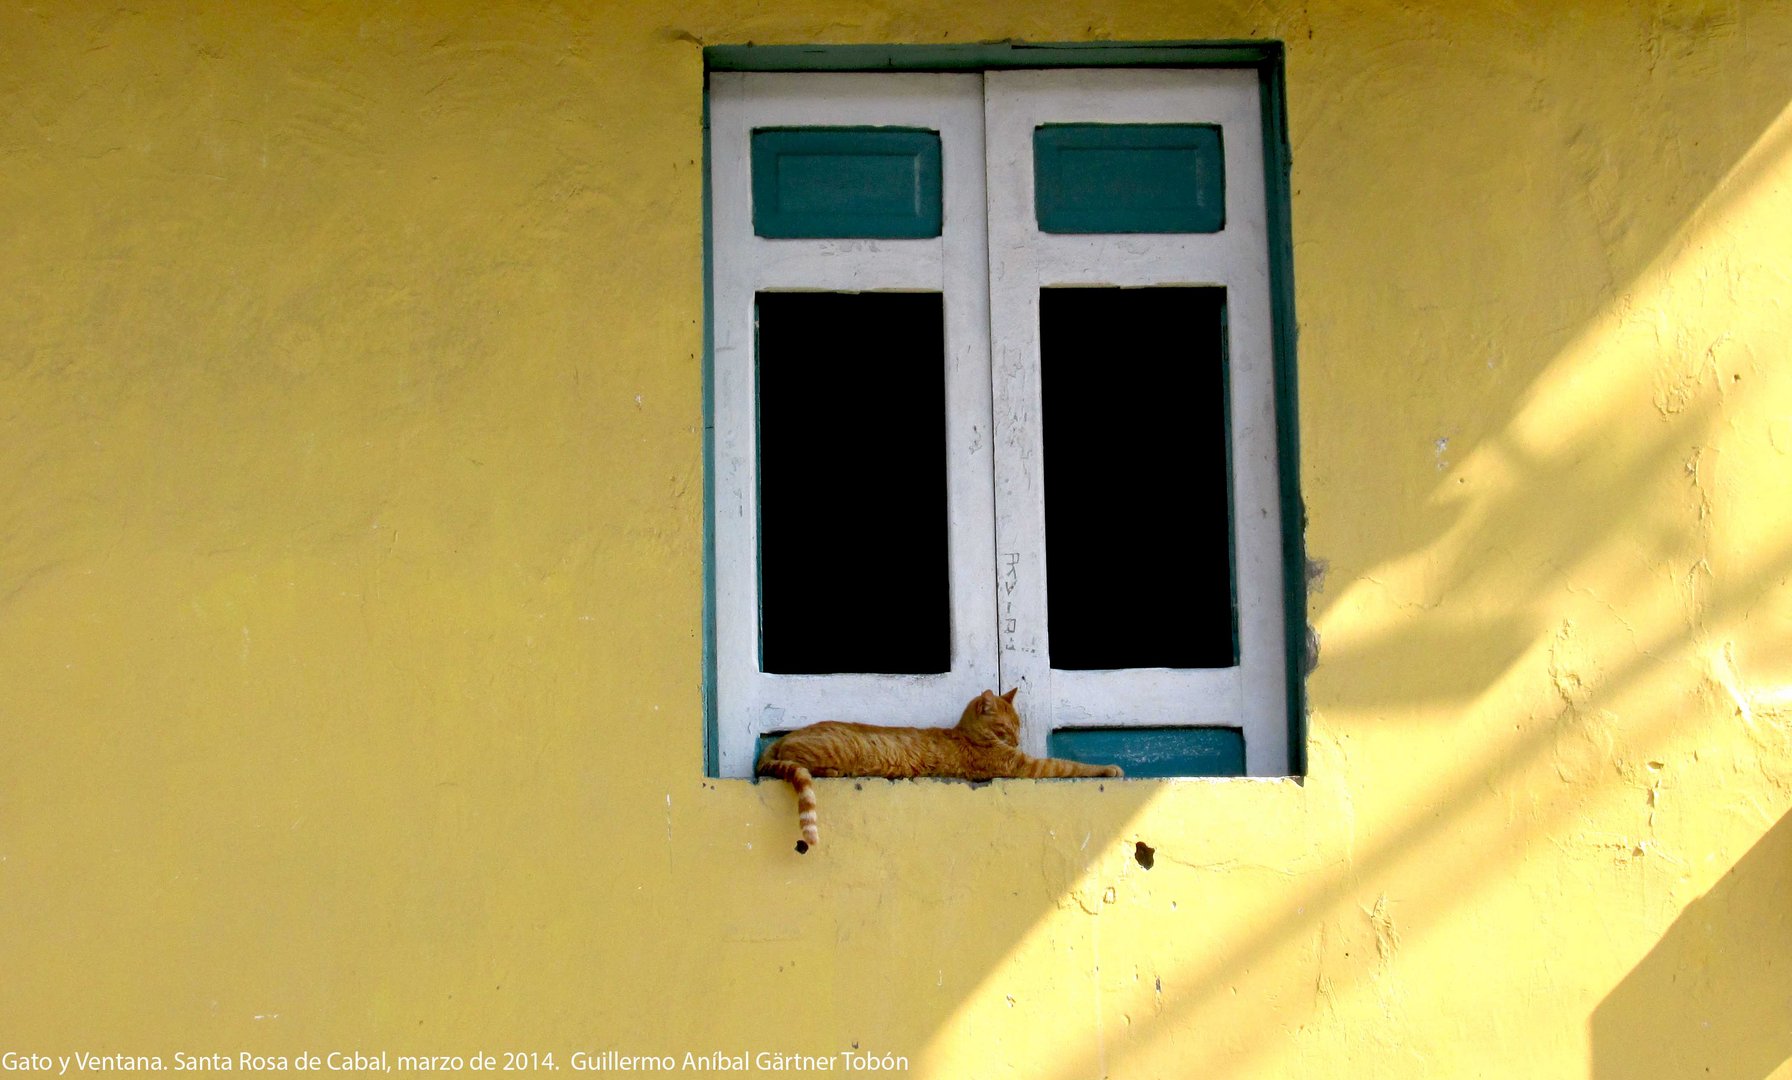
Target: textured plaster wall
{"points": [[351, 569]]}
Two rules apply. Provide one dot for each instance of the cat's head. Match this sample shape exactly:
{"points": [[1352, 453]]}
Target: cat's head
{"points": [[991, 715]]}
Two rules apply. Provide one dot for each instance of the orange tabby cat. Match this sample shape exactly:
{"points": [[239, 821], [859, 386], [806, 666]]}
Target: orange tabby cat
{"points": [[983, 746]]}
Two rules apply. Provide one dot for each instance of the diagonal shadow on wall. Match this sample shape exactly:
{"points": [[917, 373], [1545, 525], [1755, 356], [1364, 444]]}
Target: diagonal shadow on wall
{"points": [[1499, 581], [1714, 997]]}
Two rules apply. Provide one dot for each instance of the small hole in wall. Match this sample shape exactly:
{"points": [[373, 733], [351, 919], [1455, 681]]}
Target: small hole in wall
{"points": [[802, 847], [1145, 853]]}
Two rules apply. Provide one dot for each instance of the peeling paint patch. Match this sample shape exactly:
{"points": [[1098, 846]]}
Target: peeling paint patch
{"points": [[1387, 935], [1779, 434], [1771, 702], [1316, 571]]}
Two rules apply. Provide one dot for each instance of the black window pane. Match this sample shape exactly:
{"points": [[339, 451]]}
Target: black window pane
{"points": [[1138, 531], [852, 484]]}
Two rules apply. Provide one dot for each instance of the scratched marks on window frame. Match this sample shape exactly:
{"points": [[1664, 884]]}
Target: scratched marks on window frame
{"points": [[1009, 568]]}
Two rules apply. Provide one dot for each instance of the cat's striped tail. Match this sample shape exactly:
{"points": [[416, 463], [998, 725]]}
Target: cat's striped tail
{"points": [[804, 784]]}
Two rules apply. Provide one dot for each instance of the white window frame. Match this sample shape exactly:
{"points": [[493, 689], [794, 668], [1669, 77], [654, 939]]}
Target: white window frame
{"points": [[989, 265]]}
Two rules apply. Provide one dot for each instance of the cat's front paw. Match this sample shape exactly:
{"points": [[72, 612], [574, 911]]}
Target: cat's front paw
{"points": [[1112, 771]]}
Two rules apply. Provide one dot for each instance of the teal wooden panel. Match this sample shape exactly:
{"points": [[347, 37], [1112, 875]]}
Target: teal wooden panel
{"points": [[1129, 178], [857, 183], [1155, 751]]}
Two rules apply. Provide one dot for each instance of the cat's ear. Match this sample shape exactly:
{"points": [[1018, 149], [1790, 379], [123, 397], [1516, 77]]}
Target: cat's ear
{"points": [[1009, 696]]}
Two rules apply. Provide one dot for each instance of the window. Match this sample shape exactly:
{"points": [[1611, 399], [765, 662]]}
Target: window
{"points": [[995, 395]]}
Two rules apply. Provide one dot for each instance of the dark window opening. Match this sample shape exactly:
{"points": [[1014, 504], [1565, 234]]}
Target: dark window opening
{"points": [[1138, 523], [852, 484]]}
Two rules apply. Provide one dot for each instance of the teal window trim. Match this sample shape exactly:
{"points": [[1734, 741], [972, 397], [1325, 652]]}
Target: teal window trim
{"points": [[992, 56], [712, 765], [1278, 199], [1267, 59]]}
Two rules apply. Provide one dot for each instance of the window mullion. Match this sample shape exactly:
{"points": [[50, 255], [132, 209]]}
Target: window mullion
{"points": [[1015, 390]]}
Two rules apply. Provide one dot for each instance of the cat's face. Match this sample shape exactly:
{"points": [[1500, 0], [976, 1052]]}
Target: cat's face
{"points": [[993, 715]]}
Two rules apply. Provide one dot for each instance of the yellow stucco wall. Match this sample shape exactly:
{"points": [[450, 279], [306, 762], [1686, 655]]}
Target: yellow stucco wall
{"points": [[351, 570]]}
